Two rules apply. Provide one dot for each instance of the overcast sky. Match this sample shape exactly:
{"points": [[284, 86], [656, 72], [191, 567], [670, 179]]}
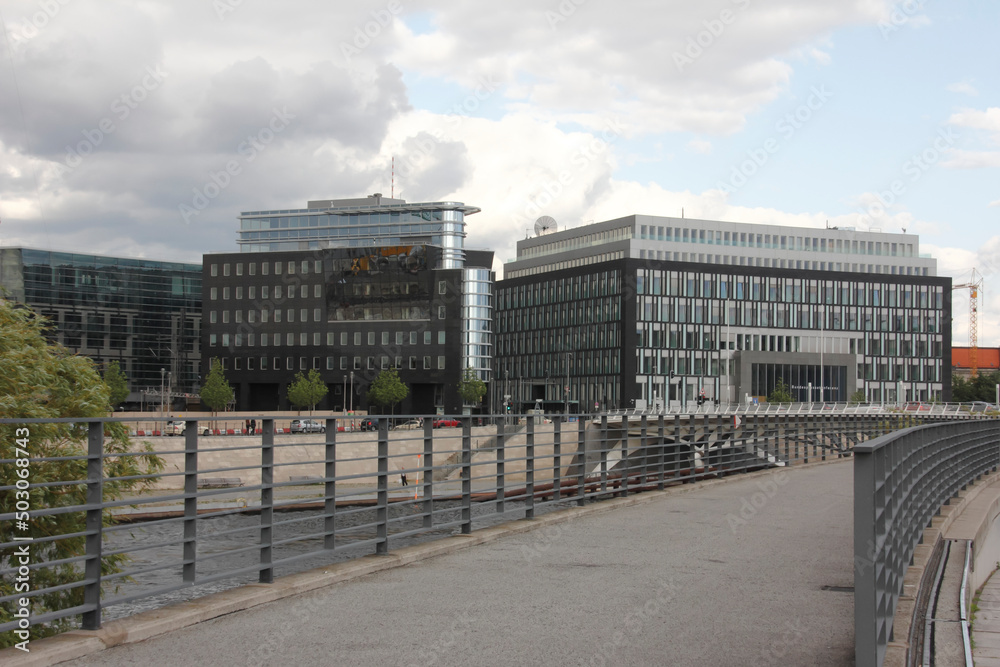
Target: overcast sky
{"points": [[143, 128]]}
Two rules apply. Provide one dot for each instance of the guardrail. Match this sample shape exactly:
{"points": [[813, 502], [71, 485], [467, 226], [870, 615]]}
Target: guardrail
{"points": [[940, 409], [901, 481], [213, 517]]}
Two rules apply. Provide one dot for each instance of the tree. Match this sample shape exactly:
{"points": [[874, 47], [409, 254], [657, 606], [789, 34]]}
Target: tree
{"points": [[980, 388], [216, 392], [307, 390], [471, 388], [780, 393], [45, 381], [117, 384], [387, 389], [858, 397]]}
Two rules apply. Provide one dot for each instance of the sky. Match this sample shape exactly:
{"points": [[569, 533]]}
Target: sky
{"points": [[143, 128]]}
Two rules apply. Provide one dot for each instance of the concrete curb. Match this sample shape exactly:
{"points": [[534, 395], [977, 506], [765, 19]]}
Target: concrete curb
{"points": [[79, 643]]}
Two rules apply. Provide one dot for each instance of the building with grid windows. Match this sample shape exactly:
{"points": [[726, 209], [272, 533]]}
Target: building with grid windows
{"points": [[351, 287], [142, 313], [598, 317]]}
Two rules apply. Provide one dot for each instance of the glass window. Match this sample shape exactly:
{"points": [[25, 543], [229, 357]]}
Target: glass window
{"points": [[214, 270], [371, 337], [440, 338], [264, 267], [225, 269]]}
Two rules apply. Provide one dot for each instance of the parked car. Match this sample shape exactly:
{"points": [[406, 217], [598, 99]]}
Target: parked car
{"points": [[178, 428], [917, 407], [409, 425], [446, 423], [306, 426], [368, 424]]}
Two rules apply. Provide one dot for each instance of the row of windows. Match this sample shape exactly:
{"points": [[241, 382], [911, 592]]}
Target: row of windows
{"points": [[778, 263], [575, 288], [292, 267], [554, 366], [353, 219], [560, 340], [587, 240], [566, 264], [831, 318], [790, 290], [774, 241], [265, 363], [265, 339], [266, 292]]}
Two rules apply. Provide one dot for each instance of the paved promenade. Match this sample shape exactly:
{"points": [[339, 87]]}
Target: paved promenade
{"points": [[728, 573]]}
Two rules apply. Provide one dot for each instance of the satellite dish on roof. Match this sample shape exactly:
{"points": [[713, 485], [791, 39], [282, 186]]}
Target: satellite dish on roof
{"points": [[544, 225]]}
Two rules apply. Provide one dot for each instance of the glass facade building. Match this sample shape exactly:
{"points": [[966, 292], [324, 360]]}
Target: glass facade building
{"points": [[142, 313], [359, 223], [599, 320]]}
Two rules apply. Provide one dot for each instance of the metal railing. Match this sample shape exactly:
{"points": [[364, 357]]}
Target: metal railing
{"points": [[901, 481], [225, 511], [976, 409]]}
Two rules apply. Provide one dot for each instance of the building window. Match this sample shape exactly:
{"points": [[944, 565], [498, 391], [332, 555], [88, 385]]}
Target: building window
{"points": [[442, 312], [440, 338], [225, 269], [214, 270], [291, 268], [330, 364], [303, 291], [239, 268], [225, 317], [276, 363], [343, 363], [289, 339], [413, 338], [225, 294], [371, 363], [213, 293], [343, 338], [277, 314], [441, 363], [427, 363], [250, 339], [213, 340], [303, 315], [305, 267], [427, 338], [304, 339], [291, 315], [277, 268], [413, 363], [289, 363], [383, 362], [371, 337], [265, 290], [239, 292], [302, 360], [252, 292], [331, 338], [357, 363], [385, 338], [239, 316], [263, 343], [252, 268], [225, 340], [357, 338], [399, 338], [211, 317], [442, 287]]}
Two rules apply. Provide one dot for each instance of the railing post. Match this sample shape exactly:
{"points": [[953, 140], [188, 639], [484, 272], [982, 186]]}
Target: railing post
{"points": [[865, 595], [644, 448], [501, 468], [382, 486], [94, 525], [427, 473], [466, 475], [661, 449], [604, 449], [623, 461], [190, 500], [330, 486], [529, 469], [266, 574], [557, 425], [581, 455]]}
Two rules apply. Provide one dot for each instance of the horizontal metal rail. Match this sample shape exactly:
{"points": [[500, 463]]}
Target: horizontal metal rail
{"points": [[901, 481], [227, 511]]}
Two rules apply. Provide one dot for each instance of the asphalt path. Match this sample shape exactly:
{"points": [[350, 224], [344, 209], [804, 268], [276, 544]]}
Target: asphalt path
{"points": [[754, 571]]}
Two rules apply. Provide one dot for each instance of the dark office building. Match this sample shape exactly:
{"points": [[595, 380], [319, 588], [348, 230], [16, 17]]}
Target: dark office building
{"points": [[607, 333], [349, 313], [142, 313]]}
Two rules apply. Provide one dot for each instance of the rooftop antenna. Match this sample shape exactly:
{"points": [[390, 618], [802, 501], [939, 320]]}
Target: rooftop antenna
{"points": [[544, 225]]}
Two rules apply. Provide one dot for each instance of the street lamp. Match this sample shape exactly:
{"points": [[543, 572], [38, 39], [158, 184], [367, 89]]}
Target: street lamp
{"points": [[163, 373], [352, 392]]}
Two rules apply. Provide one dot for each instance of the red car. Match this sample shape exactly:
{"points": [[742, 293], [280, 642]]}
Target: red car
{"points": [[445, 423]]}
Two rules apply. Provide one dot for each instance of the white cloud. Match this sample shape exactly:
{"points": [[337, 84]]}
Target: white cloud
{"points": [[961, 159], [700, 146], [963, 87]]}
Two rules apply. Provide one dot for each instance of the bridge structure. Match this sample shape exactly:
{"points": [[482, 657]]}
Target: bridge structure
{"points": [[266, 510]]}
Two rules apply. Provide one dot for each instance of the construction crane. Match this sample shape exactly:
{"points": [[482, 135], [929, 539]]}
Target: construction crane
{"points": [[975, 286]]}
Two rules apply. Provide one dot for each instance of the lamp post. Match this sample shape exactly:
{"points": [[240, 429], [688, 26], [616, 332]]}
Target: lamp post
{"points": [[163, 373], [352, 392]]}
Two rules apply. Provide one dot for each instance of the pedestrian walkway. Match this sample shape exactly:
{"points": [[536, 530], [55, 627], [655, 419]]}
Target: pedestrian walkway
{"points": [[752, 570]]}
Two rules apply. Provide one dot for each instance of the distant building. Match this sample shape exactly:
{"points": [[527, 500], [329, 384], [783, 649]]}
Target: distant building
{"points": [[145, 314], [600, 316], [350, 288], [987, 360]]}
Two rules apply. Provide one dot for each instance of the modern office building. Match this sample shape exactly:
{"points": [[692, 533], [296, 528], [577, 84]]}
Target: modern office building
{"points": [[142, 313], [381, 284], [600, 316]]}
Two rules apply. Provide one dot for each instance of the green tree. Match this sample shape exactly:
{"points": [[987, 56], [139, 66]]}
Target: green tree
{"points": [[216, 392], [858, 397], [983, 387], [39, 380], [387, 389], [780, 393], [117, 384], [307, 390], [471, 388]]}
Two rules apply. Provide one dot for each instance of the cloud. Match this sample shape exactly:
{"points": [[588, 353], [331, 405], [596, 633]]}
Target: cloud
{"points": [[961, 159], [700, 146], [963, 87]]}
